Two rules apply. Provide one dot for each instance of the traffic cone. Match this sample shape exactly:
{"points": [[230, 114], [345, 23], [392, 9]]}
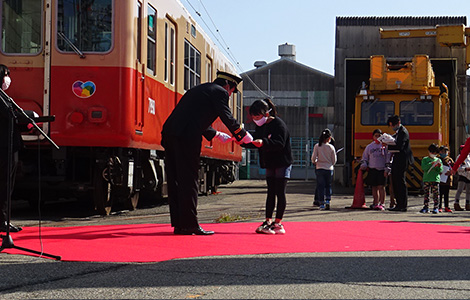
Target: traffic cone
{"points": [[359, 200]]}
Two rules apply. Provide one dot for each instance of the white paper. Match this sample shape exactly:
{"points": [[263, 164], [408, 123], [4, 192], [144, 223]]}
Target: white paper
{"points": [[444, 177], [386, 139]]}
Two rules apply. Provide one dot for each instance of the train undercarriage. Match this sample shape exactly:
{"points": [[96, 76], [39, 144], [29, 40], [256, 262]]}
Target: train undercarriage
{"points": [[105, 177]]}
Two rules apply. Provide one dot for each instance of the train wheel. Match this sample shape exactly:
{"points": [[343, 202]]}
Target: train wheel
{"points": [[101, 193], [123, 196], [132, 200]]}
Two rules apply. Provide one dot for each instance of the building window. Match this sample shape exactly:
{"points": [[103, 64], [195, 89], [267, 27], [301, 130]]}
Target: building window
{"points": [[192, 66], [152, 39], [21, 26]]}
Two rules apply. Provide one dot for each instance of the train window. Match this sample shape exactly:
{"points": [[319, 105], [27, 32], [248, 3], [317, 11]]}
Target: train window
{"points": [[192, 66], [21, 26], [166, 51], [169, 53], [376, 113], [208, 70], [152, 39], [417, 112], [84, 26], [139, 32], [172, 56]]}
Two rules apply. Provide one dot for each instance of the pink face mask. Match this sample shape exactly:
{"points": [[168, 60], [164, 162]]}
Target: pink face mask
{"points": [[6, 83]]}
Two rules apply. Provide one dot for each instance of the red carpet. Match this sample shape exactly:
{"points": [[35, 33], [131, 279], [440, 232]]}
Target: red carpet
{"points": [[156, 242]]}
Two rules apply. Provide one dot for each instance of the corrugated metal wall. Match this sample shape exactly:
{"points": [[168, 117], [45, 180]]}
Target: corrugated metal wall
{"points": [[304, 99]]}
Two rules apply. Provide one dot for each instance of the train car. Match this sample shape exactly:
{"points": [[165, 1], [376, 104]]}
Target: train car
{"points": [[406, 89], [111, 72]]}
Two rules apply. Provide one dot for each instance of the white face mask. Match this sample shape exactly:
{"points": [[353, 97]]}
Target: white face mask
{"points": [[261, 121], [6, 83], [432, 155]]}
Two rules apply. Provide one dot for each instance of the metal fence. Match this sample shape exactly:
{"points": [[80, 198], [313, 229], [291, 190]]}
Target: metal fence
{"points": [[302, 149]]}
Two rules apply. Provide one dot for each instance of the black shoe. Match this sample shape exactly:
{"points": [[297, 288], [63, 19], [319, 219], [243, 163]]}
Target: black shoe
{"points": [[13, 228], [397, 209], [177, 230], [194, 231]]}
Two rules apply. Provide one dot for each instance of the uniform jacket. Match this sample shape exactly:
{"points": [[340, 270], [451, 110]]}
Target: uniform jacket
{"points": [[5, 114], [197, 110], [402, 149]]}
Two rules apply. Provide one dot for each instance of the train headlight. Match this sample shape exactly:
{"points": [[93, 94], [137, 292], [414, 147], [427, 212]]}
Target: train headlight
{"points": [[76, 118]]}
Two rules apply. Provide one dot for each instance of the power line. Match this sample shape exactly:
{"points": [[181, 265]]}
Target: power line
{"points": [[224, 45]]}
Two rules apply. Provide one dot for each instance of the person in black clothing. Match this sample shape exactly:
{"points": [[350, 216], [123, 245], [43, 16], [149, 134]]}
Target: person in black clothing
{"points": [[4, 145], [182, 137], [402, 158], [272, 138]]}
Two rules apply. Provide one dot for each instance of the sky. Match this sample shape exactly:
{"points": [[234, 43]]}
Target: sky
{"points": [[253, 29]]}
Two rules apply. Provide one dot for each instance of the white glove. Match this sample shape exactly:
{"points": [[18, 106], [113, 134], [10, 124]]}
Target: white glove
{"points": [[223, 137], [247, 138]]}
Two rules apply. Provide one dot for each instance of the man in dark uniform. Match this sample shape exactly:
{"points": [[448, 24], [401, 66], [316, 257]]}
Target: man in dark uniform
{"points": [[182, 137], [4, 145], [402, 158]]}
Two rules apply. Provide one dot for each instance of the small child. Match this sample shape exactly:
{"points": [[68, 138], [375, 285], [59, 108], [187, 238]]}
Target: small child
{"points": [[272, 139], [444, 187], [376, 158], [432, 169]]}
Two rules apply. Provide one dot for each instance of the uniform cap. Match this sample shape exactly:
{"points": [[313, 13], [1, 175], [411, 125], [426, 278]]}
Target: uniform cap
{"points": [[230, 77]]}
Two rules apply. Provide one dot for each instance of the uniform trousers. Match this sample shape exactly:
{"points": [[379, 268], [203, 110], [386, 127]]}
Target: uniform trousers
{"points": [[400, 189], [4, 173], [182, 158]]}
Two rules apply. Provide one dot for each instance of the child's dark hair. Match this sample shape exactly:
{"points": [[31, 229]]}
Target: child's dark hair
{"points": [[4, 71], [443, 148], [433, 148], [377, 131], [261, 107], [325, 134]]}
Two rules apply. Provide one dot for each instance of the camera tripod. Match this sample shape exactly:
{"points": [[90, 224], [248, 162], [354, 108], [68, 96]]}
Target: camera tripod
{"points": [[13, 109]]}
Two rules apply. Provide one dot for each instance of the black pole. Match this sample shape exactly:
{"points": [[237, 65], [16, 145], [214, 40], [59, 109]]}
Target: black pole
{"points": [[7, 241]]}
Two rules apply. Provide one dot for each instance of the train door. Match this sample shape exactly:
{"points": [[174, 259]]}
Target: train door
{"points": [[139, 71]]}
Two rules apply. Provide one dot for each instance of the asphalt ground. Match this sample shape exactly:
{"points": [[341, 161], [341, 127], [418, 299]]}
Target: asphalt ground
{"points": [[437, 274]]}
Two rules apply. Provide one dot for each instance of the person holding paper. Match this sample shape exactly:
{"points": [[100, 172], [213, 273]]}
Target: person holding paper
{"points": [[402, 158], [432, 169], [446, 178], [376, 158]]}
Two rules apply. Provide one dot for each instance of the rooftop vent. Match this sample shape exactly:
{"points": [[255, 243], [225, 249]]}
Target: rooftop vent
{"points": [[287, 51], [260, 63]]}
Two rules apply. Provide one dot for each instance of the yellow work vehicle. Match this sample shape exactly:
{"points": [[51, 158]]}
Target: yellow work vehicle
{"points": [[406, 89]]}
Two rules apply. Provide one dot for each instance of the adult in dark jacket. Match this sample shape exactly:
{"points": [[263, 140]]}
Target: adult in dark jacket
{"points": [[402, 158], [182, 137], [4, 145]]}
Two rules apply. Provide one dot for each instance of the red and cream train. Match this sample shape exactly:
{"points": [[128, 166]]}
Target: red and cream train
{"points": [[110, 71]]}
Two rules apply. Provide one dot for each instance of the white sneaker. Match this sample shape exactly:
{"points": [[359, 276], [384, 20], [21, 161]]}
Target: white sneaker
{"points": [[265, 228], [278, 228]]}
